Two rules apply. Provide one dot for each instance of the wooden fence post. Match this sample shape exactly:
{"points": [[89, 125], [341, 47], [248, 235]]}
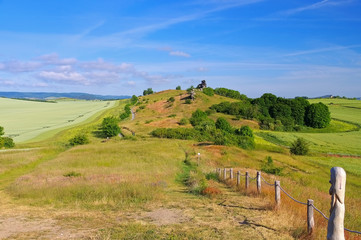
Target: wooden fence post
{"points": [[259, 182], [225, 174], [277, 193], [238, 178], [231, 173], [310, 220], [247, 180], [219, 173]]}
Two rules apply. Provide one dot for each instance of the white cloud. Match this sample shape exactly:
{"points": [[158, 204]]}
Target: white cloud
{"points": [[66, 77], [19, 66], [179, 54], [54, 59]]}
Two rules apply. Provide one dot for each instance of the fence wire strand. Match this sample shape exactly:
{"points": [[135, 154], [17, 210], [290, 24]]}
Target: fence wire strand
{"points": [[264, 180], [323, 215], [292, 197]]}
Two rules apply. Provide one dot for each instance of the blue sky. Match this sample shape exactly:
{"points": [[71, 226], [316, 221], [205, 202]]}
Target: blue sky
{"points": [[289, 48]]}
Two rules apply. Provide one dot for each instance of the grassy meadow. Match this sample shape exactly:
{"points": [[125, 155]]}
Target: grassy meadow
{"points": [[130, 188]]}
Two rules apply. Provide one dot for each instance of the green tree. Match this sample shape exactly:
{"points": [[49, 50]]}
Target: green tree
{"points": [[5, 141], [299, 147], [109, 127], [148, 91], [1, 131], [134, 99], [178, 88], [317, 115]]}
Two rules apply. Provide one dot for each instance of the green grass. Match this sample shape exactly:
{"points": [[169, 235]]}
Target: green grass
{"points": [[27, 121]]}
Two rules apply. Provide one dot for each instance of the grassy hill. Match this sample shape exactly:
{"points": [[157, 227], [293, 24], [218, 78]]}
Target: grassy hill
{"points": [[133, 187]]}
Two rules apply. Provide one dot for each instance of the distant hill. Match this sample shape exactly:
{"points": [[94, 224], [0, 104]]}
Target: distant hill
{"points": [[52, 95]]}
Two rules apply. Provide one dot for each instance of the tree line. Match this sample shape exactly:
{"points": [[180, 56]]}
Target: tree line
{"points": [[276, 113]]}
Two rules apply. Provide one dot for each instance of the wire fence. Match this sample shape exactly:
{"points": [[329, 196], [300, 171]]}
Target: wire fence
{"points": [[287, 194]]}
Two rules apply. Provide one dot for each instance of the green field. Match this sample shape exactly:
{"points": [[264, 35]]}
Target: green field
{"points": [[340, 138], [26, 121]]}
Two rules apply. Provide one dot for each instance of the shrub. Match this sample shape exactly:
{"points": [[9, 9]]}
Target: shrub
{"points": [[223, 124], [197, 117], [299, 147], [178, 88], [208, 91], [245, 131], [109, 127], [269, 167], [72, 174], [189, 90], [175, 133], [172, 115], [188, 101], [79, 139], [134, 99], [183, 121], [8, 142]]}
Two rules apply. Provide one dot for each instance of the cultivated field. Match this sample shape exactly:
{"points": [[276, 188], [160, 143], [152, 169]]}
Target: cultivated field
{"points": [[26, 121]]}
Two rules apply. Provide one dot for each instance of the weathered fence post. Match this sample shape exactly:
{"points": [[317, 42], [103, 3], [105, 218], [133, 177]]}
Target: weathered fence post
{"points": [[238, 178], [247, 180], [277, 193], [259, 182], [310, 220], [219, 172], [335, 227], [231, 173], [225, 174]]}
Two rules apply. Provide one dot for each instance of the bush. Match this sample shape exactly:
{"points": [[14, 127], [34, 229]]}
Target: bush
{"points": [[197, 117], [134, 99], [171, 99], [208, 91], [79, 139], [245, 131], [175, 133], [269, 167], [8, 142], [188, 101], [183, 121], [299, 147], [109, 127], [72, 174], [223, 124], [178, 88]]}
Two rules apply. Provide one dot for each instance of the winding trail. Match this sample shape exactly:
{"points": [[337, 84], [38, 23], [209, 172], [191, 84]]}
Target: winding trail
{"points": [[133, 114]]}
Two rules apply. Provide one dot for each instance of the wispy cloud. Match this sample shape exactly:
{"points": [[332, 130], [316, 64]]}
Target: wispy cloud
{"points": [[321, 50], [179, 54], [317, 5]]}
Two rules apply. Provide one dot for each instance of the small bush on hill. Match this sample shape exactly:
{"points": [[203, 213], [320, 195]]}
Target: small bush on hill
{"points": [[223, 124], [5, 141], [188, 101], [208, 91], [79, 139], [178, 88], [245, 131], [109, 127], [175, 133], [72, 174], [134, 99], [127, 112], [171, 99], [299, 147], [183, 121], [230, 93], [269, 167], [197, 117]]}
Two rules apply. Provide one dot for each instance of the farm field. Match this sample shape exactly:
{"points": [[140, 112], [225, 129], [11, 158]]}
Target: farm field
{"points": [[132, 187], [26, 121], [345, 142]]}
